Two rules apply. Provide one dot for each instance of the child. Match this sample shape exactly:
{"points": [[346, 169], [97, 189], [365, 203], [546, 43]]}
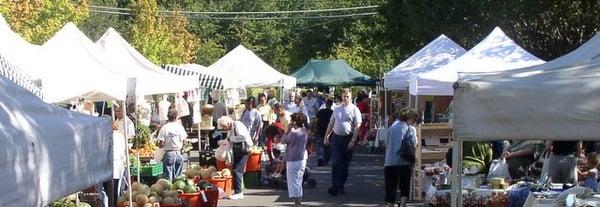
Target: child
{"points": [[590, 177], [273, 134]]}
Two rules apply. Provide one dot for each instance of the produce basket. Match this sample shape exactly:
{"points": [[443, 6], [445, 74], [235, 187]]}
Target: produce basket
{"points": [[253, 163], [148, 170], [212, 197], [193, 199], [218, 182]]}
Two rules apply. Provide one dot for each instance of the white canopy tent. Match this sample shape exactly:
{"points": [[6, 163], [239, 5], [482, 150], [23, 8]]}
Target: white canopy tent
{"points": [[48, 152], [63, 77], [557, 100], [437, 53], [242, 68], [150, 78], [496, 53]]}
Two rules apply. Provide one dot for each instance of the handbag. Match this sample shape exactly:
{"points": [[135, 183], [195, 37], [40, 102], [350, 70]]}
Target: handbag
{"points": [[239, 147], [407, 150]]}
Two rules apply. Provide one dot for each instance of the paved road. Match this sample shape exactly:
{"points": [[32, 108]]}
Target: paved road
{"points": [[364, 187]]}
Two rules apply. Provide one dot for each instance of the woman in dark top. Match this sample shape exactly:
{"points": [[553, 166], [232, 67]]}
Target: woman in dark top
{"points": [[563, 160]]}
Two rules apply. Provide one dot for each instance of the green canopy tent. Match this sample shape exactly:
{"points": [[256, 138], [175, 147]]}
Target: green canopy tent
{"points": [[317, 73]]}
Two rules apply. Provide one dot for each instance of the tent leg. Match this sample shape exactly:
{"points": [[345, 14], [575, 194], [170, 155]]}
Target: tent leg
{"points": [[456, 195]]}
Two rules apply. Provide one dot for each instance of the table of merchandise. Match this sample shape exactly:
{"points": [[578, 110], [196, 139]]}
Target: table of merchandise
{"points": [[500, 198], [475, 198]]}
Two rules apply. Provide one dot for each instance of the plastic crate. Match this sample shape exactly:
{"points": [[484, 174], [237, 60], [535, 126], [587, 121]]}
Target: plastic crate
{"points": [[148, 170]]}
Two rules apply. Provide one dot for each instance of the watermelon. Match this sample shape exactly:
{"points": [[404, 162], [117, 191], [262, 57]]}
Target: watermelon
{"points": [[190, 189], [203, 184], [190, 182], [179, 185]]}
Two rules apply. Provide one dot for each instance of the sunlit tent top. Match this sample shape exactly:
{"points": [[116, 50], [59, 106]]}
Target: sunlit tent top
{"points": [[150, 78], [496, 53], [437, 53], [242, 68]]}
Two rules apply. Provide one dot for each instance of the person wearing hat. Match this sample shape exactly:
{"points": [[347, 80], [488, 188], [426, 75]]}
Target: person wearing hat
{"points": [[171, 138]]}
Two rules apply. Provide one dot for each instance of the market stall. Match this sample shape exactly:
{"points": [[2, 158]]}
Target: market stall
{"points": [[554, 102], [436, 54], [244, 69], [51, 67], [128, 62], [494, 54], [48, 152], [316, 73]]}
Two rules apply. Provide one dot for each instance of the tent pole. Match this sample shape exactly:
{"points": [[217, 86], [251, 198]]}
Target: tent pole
{"points": [[456, 194], [127, 169], [409, 98]]}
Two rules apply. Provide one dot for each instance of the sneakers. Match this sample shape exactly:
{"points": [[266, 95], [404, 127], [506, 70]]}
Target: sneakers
{"points": [[237, 196], [277, 175]]}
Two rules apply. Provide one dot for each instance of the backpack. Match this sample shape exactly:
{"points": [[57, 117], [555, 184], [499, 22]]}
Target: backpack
{"points": [[407, 150]]}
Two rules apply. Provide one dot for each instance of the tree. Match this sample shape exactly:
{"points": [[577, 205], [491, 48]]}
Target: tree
{"points": [[160, 40], [38, 20], [97, 23]]}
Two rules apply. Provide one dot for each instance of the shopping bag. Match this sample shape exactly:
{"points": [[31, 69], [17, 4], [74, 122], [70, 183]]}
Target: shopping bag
{"points": [[158, 155], [498, 169], [221, 152]]}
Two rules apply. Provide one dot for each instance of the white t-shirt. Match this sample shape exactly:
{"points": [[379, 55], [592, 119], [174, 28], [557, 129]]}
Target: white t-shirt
{"points": [[239, 133], [312, 107], [119, 156], [172, 135], [130, 127], [346, 119]]}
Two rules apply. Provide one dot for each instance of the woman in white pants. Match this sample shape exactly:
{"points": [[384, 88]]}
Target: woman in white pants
{"points": [[295, 155]]}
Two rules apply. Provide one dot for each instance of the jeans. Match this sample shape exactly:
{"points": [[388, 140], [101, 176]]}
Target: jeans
{"points": [[172, 164], [323, 151], [239, 165], [340, 160]]}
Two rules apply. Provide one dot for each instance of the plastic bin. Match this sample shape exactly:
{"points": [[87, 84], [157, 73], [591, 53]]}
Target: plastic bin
{"points": [[253, 163], [219, 182], [193, 199], [148, 170]]}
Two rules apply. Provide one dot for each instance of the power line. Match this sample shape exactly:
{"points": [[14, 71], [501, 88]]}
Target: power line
{"points": [[259, 12], [254, 18]]}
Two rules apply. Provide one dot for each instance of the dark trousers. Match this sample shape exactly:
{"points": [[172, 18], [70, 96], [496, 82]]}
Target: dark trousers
{"points": [[323, 151], [340, 160], [239, 165], [397, 176], [111, 188]]}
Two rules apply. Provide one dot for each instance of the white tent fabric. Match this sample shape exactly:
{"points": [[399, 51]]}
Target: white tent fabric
{"points": [[52, 70], [437, 53], [585, 54], [10, 71], [48, 152], [150, 78], [496, 53], [91, 74], [242, 68], [555, 100]]}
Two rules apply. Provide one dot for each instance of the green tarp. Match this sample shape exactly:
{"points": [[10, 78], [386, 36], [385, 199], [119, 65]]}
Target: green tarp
{"points": [[330, 73]]}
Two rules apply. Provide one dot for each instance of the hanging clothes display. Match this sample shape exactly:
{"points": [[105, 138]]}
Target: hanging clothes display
{"points": [[181, 106], [163, 108], [144, 112]]}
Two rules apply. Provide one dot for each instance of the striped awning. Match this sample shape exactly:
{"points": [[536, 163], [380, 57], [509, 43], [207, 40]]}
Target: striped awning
{"points": [[206, 80], [12, 73]]}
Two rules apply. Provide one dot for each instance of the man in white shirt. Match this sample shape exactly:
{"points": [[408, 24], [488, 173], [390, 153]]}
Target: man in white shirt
{"points": [[342, 133], [291, 103], [311, 106], [122, 122], [171, 137]]}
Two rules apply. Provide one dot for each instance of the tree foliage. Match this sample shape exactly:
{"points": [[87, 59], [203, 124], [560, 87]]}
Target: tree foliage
{"points": [[161, 40], [38, 20]]}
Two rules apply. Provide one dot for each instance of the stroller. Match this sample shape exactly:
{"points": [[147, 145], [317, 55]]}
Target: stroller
{"points": [[280, 182]]}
